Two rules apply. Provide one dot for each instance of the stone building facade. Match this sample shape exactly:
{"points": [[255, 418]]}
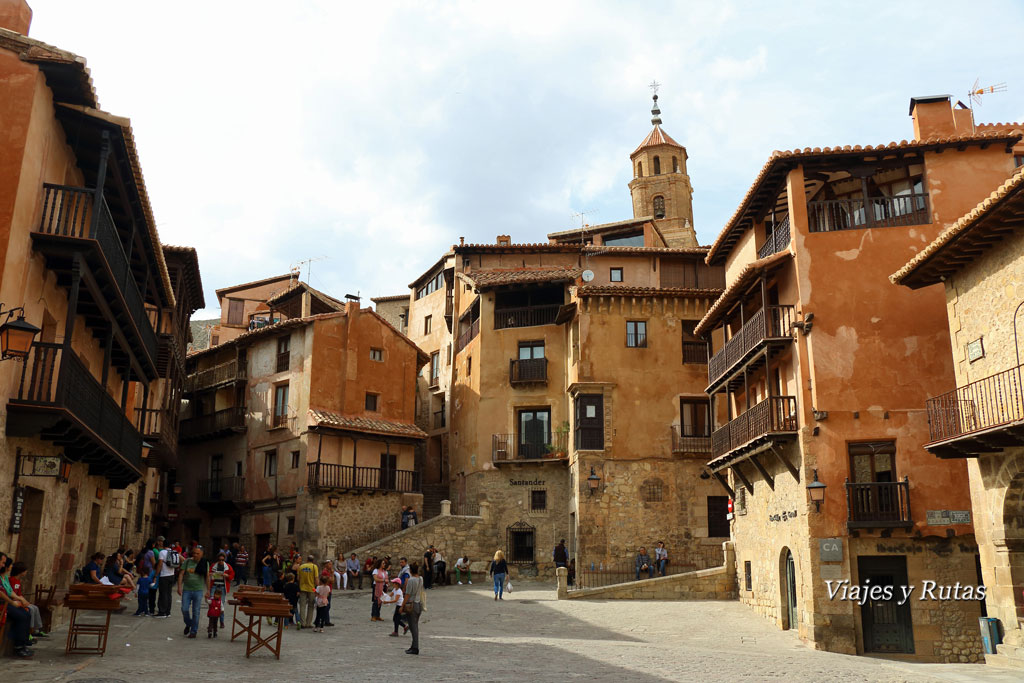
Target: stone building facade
{"points": [[81, 257], [818, 374], [979, 262]]}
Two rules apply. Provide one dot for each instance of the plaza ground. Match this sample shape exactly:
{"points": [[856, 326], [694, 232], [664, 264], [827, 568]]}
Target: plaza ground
{"points": [[467, 636]]}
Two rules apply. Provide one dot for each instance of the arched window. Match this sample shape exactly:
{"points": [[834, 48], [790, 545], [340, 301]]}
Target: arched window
{"points": [[659, 207], [657, 166], [639, 169], [675, 164]]}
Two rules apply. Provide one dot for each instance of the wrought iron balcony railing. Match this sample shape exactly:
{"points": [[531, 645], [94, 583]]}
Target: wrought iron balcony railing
{"points": [[690, 440], [991, 403], [505, 447], [528, 370], [777, 240]]}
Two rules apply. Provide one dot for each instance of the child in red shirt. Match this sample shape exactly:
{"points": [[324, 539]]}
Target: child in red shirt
{"points": [[214, 611]]}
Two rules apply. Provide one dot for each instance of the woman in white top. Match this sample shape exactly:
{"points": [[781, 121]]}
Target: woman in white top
{"points": [[395, 597]]}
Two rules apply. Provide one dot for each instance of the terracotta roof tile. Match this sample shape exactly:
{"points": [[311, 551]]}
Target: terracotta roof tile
{"points": [[601, 227], [661, 251], [513, 276], [779, 158], [392, 297], [656, 137], [619, 290], [944, 242], [326, 418], [255, 283]]}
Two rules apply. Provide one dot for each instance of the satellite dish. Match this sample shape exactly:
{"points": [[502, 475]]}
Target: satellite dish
{"points": [[588, 276]]}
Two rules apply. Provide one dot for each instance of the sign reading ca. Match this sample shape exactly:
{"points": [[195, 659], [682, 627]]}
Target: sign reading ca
{"points": [[830, 549]]}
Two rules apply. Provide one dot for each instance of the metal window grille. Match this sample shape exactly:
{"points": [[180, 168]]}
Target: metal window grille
{"points": [[520, 539], [652, 491]]}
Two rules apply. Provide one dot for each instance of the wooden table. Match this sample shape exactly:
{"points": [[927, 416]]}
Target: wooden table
{"points": [[238, 627], [94, 598], [258, 609]]}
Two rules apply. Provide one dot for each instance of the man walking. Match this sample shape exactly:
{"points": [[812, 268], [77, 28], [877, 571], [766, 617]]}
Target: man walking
{"points": [[309, 578], [191, 588], [165, 578]]}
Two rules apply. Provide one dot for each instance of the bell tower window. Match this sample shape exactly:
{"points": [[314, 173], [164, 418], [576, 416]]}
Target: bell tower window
{"points": [[675, 164], [659, 206], [639, 169], [657, 166]]}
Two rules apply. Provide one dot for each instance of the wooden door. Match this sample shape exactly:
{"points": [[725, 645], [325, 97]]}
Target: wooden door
{"points": [[791, 608], [887, 624]]}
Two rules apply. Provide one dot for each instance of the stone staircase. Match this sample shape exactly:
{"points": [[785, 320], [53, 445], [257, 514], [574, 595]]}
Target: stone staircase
{"points": [[433, 494]]}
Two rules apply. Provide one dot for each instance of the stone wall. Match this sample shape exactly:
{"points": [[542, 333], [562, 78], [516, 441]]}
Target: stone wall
{"points": [[717, 583], [356, 519]]}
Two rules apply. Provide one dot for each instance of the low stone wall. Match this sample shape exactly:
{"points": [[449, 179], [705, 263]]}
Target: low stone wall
{"points": [[717, 583]]}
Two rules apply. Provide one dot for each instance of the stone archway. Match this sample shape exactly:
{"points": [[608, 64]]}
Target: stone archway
{"points": [[1009, 552]]}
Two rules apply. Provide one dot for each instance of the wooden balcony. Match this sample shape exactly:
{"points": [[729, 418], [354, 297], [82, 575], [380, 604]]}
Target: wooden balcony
{"points": [[223, 493], [59, 400], [221, 423], [77, 221], [159, 427], [777, 240], [527, 316], [469, 335], [507, 448], [878, 505], [771, 326], [685, 442], [528, 371], [984, 416], [831, 215], [770, 420], [328, 476], [217, 376]]}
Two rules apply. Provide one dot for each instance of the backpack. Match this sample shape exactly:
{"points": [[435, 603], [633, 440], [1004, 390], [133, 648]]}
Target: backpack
{"points": [[173, 559], [79, 576]]}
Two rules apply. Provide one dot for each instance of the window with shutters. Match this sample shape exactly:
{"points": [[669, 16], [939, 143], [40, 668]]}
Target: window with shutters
{"points": [[236, 311], [283, 353], [280, 405], [636, 334], [694, 350]]}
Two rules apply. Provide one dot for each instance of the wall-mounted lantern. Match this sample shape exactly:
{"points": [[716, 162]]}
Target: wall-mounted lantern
{"points": [[333, 501], [593, 481], [816, 491], [16, 336]]}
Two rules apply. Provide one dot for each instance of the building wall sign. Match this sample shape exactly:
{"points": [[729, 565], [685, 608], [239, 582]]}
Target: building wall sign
{"points": [[784, 516], [17, 509], [525, 482], [830, 549], [941, 517], [975, 350]]}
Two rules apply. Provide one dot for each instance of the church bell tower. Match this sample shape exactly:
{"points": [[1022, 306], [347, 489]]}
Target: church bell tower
{"points": [[660, 186]]}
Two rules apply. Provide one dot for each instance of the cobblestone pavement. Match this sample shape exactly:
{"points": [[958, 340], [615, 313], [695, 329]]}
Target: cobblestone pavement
{"points": [[467, 636]]}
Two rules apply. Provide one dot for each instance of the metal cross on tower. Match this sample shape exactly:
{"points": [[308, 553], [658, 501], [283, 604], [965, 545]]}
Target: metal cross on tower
{"points": [[654, 87]]}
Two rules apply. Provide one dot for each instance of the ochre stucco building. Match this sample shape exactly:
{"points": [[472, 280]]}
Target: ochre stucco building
{"points": [[819, 373], [79, 251], [979, 263]]}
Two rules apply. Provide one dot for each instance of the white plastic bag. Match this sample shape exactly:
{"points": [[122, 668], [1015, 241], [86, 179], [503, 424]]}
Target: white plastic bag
{"points": [[508, 586]]}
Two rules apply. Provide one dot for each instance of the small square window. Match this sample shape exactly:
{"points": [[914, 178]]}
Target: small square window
{"points": [[295, 460], [636, 334], [291, 525], [377, 355], [372, 401], [538, 500], [615, 275]]}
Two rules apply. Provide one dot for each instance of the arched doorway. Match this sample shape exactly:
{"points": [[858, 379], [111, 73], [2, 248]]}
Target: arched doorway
{"points": [[787, 574]]}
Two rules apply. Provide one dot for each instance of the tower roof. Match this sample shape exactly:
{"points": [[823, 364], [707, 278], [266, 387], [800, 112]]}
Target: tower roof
{"points": [[657, 136]]}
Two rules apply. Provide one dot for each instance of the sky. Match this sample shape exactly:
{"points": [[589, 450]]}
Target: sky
{"points": [[373, 135]]}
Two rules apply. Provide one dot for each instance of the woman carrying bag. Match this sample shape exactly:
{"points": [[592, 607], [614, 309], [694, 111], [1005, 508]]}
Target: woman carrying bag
{"points": [[499, 570]]}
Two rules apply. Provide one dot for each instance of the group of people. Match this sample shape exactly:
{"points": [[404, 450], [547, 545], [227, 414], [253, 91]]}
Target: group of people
{"points": [[645, 564], [403, 587], [409, 517], [24, 620]]}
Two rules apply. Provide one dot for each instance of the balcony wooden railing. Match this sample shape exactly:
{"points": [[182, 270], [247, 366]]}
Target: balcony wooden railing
{"points": [[690, 441], [214, 424], [468, 336], [322, 475], [439, 419], [221, 490], [777, 240], [52, 378], [761, 327], [225, 373], [527, 316], [505, 447], [772, 415], [830, 215], [67, 212], [528, 370], [878, 504], [984, 404]]}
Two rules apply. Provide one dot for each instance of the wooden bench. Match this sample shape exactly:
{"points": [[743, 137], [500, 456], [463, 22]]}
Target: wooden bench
{"points": [[256, 607], [47, 599], [90, 597]]}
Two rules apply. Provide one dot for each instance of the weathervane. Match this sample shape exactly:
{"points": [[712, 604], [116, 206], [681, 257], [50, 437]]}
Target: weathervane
{"points": [[654, 88]]}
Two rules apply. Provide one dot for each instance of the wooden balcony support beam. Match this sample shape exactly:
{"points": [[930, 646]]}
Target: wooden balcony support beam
{"points": [[763, 472], [739, 475], [786, 463]]}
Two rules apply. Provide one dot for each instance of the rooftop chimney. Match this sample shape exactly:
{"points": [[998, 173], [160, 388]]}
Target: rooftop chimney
{"points": [[15, 15], [504, 240], [462, 241], [933, 117]]}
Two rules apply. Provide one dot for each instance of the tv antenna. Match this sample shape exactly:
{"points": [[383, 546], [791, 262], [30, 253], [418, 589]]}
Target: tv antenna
{"points": [[297, 266], [977, 92]]}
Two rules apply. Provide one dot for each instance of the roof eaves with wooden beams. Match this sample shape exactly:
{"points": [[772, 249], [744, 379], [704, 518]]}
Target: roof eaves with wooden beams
{"points": [[563, 235], [998, 215], [500, 277], [193, 278], [256, 283], [771, 180], [66, 73], [326, 419], [738, 288], [614, 290]]}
